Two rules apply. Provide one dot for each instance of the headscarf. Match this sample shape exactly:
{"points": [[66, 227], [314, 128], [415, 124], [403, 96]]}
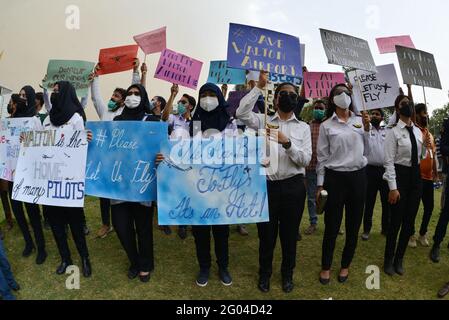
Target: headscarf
{"points": [[138, 113], [67, 105], [217, 119], [29, 109]]}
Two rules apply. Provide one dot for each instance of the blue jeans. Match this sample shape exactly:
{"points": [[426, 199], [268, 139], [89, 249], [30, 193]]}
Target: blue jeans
{"points": [[6, 278], [311, 177]]}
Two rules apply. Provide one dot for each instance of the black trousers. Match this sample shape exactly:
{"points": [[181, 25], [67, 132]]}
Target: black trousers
{"points": [[347, 191], [59, 218], [105, 208], [34, 216], [133, 224], [403, 214], [375, 184], [428, 198], [202, 235], [6, 205], [286, 201], [443, 221]]}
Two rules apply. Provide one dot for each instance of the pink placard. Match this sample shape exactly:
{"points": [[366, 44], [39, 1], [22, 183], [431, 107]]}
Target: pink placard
{"points": [[153, 41], [179, 69], [388, 45], [319, 84]]}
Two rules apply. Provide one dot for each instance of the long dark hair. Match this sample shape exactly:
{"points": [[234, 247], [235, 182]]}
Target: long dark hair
{"points": [[331, 107]]}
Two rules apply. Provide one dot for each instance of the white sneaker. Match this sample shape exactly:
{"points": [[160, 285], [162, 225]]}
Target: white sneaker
{"points": [[412, 242], [424, 241]]}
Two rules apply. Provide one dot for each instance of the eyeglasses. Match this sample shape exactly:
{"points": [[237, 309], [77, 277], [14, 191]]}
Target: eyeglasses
{"points": [[292, 95]]}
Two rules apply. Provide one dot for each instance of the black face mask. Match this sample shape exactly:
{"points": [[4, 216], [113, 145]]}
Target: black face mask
{"points": [[287, 103], [10, 109], [406, 109], [21, 105], [54, 99], [375, 122]]}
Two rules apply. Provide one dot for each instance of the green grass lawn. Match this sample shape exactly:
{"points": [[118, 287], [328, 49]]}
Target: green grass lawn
{"points": [[176, 269]]}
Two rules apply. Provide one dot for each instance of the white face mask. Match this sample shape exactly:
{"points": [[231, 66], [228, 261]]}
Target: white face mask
{"points": [[209, 103], [343, 101], [132, 102]]}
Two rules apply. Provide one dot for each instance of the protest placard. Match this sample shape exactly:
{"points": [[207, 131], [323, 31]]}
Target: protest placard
{"points": [[319, 84], [74, 71], [219, 73], [388, 45], [51, 168], [117, 59], [121, 159], [153, 41]]}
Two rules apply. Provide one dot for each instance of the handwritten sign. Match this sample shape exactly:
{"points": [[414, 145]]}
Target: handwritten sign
{"points": [[218, 182], [179, 69], [418, 68], [253, 48], [219, 73], [347, 51], [74, 71], [118, 59], [10, 144], [51, 168], [388, 45], [153, 41], [274, 78], [319, 84], [121, 159], [379, 90]]}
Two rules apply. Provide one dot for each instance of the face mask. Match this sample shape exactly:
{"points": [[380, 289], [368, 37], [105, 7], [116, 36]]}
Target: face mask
{"points": [[209, 103], [318, 115], [21, 104], [287, 103], [54, 99], [132, 102], [152, 105], [406, 109], [112, 105], [375, 122], [343, 101], [10, 110], [181, 108]]}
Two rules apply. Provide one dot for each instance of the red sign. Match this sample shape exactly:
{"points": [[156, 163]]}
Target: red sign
{"points": [[117, 59]]}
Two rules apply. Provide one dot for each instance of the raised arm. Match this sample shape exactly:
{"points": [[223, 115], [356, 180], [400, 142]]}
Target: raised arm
{"points": [[97, 100], [144, 70], [169, 107]]}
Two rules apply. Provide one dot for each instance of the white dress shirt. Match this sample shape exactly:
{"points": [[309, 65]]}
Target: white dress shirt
{"points": [[398, 150], [342, 146], [180, 127], [376, 155], [75, 123], [289, 162]]}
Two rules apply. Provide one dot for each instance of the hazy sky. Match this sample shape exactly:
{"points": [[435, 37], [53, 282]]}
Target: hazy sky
{"points": [[34, 31]]}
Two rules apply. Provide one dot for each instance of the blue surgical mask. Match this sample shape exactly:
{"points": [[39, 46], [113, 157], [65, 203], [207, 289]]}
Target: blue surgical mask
{"points": [[112, 105], [181, 108]]}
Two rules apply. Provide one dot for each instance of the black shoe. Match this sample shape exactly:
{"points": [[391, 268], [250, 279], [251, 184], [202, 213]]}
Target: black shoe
{"points": [[41, 257], [203, 278], [264, 285], [63, 267], [325, 282], [398, 267], [299, 237], [167, 230], [87, 268], [28, 251], [225, 277], [132, 273], [342, 279], [389, 268], [435, 254], [182, 233], [145, 279], [287, 285], [86, 230]]}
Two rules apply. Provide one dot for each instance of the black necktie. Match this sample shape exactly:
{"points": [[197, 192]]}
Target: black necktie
{"points": [[414, 147]]}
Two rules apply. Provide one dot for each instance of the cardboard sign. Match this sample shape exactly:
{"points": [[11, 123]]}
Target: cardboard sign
{"points": [[319, 84], [418, 68], [218, 182], [219, 73], [347, 51], [153, 41], [121, 159], [179, 69], [274, 78], [74, 71], [118, 59], [51, 168], [252, 48], [388, 45], [379, 90]]}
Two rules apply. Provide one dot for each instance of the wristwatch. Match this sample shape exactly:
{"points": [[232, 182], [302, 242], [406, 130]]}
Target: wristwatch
{"points": [[287, 145]]}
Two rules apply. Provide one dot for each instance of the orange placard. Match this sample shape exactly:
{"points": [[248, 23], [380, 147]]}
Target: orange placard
{"points": [[117, 59]]}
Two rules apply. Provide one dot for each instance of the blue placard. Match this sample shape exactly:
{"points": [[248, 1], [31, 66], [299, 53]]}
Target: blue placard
{"points": [[252, 48], [219, 73], [121, 159], [212, 182]]}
